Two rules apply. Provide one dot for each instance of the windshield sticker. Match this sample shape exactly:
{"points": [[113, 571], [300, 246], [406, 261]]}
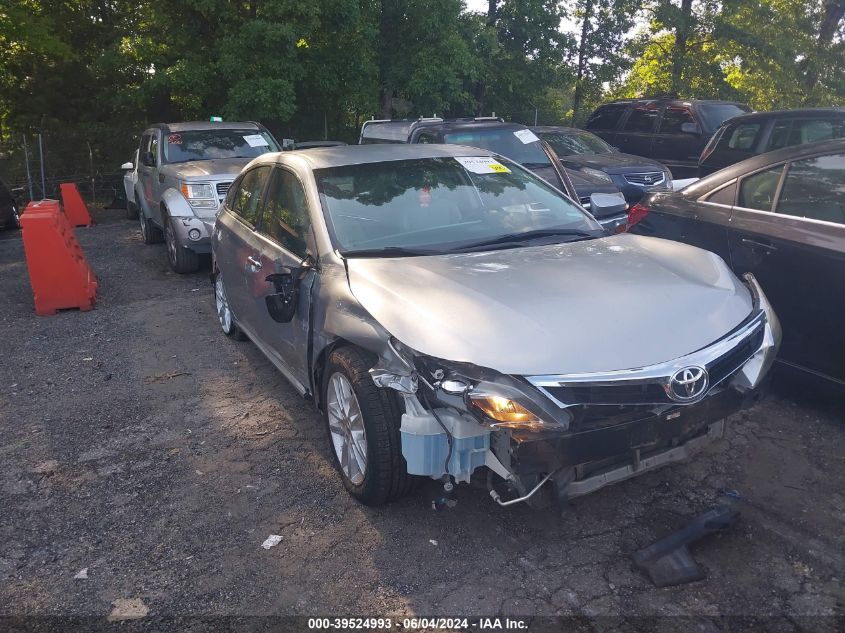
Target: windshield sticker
{"points": [[174, 139], [526, 136], [256, 140], [482, 165]]}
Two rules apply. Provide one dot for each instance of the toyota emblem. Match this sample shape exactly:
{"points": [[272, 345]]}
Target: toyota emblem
{"points": [[687, 384]]}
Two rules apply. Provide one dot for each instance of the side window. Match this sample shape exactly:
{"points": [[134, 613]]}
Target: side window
{"points": [[742, 137], [758, 191], [814, 188], [780, 135], [145, 147], [673, 119], [247, 199], [426, 138], [725, 195], [641, 119], [814, 130], [154, 148], [606, 117], [286, 219]]}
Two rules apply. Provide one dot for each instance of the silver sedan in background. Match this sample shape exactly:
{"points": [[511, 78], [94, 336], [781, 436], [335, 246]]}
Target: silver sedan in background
{"points": [[453, 316]]}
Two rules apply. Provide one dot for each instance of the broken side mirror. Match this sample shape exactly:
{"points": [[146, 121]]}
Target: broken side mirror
{"points": [[282, 304]]}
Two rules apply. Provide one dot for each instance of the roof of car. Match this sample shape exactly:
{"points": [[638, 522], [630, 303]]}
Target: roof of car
{"points": [[670, 99], [471, 124], [187, 126], [793, 152], [319, 158], [540, 129], [792, 113]]}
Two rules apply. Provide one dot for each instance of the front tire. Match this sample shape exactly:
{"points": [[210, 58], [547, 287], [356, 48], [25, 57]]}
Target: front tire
{"points": [[182, 260], [363, 423], [150, 233]]}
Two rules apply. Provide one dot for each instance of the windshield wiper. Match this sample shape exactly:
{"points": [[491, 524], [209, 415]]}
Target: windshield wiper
{"points": [[391, 251], [521, 239]]}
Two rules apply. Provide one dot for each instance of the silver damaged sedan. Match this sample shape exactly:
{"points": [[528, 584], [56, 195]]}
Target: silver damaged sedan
{"points": [[453, 316]]}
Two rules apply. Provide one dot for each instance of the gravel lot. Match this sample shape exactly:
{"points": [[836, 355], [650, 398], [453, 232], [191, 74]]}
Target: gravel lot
{"points": [[140, 443]]}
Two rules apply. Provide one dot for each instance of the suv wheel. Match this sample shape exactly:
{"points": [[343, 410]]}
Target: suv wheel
{"points": [[363, 422], [182, 260], [150, 233], [224, 312]]}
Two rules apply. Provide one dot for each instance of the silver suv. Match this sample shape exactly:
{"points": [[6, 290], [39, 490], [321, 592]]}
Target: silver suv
{"points": [[453, 315], [184, 171]]}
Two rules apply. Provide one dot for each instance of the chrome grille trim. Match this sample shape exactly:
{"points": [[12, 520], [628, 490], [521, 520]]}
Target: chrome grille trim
{"points": [[646, 179], [648, 379]]}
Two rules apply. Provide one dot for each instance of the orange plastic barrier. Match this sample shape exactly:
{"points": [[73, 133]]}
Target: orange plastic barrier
{"points": [[74, 206], [58, 272]]}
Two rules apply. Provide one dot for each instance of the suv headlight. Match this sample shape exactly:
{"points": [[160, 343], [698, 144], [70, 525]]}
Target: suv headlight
{"points": [[597, 173], [198, 190]]}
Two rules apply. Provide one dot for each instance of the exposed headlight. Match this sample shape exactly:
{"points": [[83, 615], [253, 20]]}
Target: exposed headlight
{"points": [[597, 173], [503, 411], [202, 190]]}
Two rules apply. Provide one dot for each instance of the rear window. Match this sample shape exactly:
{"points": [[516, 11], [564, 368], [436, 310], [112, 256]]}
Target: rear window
{"points": [[714, 114], [742, 137], [606, 117]]}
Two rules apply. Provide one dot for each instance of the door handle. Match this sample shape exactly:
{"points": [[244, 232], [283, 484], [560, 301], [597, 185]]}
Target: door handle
{"points": [[255, 264], [763, 245]]}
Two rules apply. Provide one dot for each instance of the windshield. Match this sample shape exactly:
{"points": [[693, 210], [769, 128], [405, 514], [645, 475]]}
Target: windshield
{"points": [[714, 114], [180, 147], [520, 145], [439, 205], [575, 142]]}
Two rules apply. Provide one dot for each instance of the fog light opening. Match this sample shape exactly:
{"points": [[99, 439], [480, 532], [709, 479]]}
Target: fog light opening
{"points": [[194, 234]]}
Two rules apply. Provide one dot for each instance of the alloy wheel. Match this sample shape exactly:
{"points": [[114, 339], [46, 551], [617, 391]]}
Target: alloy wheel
{"points": [[346, 423]]}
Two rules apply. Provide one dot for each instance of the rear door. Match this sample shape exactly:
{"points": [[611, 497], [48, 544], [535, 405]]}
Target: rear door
{"points": [[674, 148], [238, 247], [281, 247], [637, 133], [789, 231], [605, 120]]}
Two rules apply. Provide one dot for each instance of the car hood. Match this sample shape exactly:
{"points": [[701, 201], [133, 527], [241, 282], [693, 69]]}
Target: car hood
{"points": [[619, 302], [214, 169], [615, 163]]}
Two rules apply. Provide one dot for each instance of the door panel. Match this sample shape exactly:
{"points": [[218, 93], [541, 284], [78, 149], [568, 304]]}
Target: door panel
{"points": [[637, 133], [239, 247], [281, 249], [800, 263]]}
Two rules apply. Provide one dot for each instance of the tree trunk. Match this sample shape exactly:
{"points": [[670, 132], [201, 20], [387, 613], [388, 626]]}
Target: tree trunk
{"points": [[583, 57], [679, 50], [833, 12], [481, 85]]}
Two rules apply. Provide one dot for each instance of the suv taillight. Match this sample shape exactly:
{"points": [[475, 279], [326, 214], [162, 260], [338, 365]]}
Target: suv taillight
{"points": [[636, 214]]}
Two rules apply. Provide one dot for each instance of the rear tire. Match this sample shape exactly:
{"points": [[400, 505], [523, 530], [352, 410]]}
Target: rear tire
{"points": [[384, 476], [224, 312], [182, 260]]}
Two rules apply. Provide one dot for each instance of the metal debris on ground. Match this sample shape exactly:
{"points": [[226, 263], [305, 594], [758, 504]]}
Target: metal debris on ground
{"points": [[272, 541], [668, 562], [82, 574]]}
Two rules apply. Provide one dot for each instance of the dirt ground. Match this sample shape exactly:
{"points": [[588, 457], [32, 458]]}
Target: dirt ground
{"points": [[139, 443]]}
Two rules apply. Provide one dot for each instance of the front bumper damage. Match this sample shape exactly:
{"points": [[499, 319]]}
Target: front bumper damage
{"points": [[194, 233], [604, 428]]}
